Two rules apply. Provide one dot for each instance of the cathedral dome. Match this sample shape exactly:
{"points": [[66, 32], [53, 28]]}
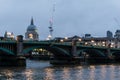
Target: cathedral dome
{"points": [[32, 32], [32, 27]]}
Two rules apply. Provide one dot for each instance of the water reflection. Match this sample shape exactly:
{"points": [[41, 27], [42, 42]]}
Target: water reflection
{"points": [[92, 72], [49, 74], [66, 73], [29, 74], [111, 71], [8, 74], [79, 72], [45, 72], [103, 71]]}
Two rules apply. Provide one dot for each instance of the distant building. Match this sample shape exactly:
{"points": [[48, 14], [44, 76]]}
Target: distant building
{"points": [[117, 34], [87, 35], [117, 38], [109, 34], [31, 33], [9, 36]]}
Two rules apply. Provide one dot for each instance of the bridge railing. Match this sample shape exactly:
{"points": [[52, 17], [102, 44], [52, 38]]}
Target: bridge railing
{"points": [[8, 41], [82, 44]]}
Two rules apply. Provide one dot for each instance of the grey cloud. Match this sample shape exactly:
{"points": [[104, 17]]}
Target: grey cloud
{"points": [[71, 17]]}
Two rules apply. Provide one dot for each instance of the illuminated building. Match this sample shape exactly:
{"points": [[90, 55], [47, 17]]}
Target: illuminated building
{"points": [[9, 36], [32, 33]]}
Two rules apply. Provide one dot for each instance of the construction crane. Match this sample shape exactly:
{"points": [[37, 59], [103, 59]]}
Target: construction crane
{"points": [[51, 21], [117, 21]]}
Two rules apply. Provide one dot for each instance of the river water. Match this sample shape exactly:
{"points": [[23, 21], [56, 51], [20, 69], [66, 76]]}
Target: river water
{"points": [[42, 70]]}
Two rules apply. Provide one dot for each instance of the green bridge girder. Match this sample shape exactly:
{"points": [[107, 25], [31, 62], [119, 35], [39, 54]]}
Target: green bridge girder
{"points": [[7, 51], [56, 46]]}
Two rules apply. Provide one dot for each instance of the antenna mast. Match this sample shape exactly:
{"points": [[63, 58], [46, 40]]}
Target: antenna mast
{"points": [[51, 21]]}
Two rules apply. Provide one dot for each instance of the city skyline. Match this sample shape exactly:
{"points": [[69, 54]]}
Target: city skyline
{"points": [[70, 17]]}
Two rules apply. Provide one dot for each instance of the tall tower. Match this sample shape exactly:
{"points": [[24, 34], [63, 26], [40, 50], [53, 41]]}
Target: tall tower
{"points": [[32, 32], [51, 21]]}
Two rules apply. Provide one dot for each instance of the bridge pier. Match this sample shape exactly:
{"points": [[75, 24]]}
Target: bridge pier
{"points": [[74, 48], [21, 60]]}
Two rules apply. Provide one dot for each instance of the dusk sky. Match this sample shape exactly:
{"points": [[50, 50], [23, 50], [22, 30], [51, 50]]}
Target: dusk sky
{"points": [[71, 17]]}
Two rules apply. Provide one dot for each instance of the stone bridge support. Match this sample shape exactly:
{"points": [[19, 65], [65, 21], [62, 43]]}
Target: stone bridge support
{"points": [[74, 48], [21, 60]]}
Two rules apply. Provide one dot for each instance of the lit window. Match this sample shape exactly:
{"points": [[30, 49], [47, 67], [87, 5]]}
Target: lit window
{"points": [[31, 36]]}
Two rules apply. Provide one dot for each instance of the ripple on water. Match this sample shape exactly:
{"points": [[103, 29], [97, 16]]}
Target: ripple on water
{"points": [[42, 70]]}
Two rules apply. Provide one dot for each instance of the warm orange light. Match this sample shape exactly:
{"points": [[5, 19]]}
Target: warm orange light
{"points": [[31, 36]]}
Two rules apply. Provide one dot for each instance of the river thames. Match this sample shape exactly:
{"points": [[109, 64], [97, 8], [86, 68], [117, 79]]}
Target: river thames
{"points": [[42, 70]]}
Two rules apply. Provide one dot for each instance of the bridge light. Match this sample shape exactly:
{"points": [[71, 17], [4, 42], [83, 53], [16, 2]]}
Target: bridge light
{"points": [[95, 44], [92, 41], [87, 55], [103, 42], [111, 46], [61, 40], [79, 39], [112, 43], [98, 44], [66, 38], [86, 43], [41, 49]]}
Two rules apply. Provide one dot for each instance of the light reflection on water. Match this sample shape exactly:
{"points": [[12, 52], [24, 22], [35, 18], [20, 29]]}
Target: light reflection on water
{"points": [[42, 70], [28, 73], [49, 74]]}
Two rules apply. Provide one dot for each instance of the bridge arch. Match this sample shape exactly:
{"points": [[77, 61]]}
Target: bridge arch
{"points": [[115, 52], [116, 55], [93, 55], [53, 49], [92, 52], [7, 51]]}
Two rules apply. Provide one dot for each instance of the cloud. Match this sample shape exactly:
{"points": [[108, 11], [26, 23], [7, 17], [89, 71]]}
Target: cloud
{"points": [[71, 17]]}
